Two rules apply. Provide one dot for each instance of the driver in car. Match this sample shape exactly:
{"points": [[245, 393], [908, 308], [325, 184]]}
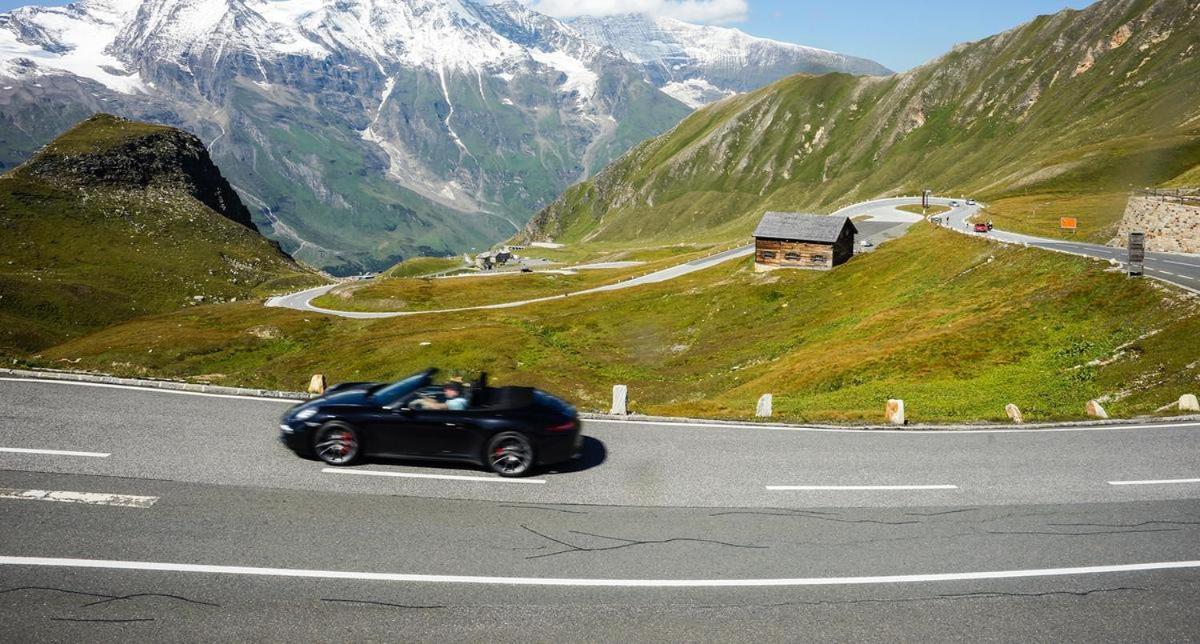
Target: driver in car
{"points": [[454, 399]]}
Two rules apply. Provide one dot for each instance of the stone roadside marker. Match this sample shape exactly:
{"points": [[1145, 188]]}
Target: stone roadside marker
{"points": [[317, 384], [620, 395], [1014, 413], [1096, 410], [1188, 402], [895, 412], [764, 406]]}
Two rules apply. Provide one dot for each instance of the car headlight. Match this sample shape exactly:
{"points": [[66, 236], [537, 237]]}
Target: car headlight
{"points": [[305, 414]]}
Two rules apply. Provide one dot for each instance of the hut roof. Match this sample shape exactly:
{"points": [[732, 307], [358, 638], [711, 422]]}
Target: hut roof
{"points": [[803, 227]]}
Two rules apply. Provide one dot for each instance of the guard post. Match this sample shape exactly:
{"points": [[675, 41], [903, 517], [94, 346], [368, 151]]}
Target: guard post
{"points": [[1137, 253]]}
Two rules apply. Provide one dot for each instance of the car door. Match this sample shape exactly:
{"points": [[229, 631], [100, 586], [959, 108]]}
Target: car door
{"points": [[398, 430], [450, 433]]}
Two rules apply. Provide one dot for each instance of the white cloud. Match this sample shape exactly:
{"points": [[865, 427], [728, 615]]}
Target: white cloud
{"points": [[703, 11]]}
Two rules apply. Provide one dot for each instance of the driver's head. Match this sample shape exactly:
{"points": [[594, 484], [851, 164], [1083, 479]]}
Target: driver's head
{"points": [[452, 390]]}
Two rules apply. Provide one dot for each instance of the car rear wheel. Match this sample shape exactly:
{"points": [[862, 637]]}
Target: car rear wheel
{"points": [[337, 444], [509, 454]]}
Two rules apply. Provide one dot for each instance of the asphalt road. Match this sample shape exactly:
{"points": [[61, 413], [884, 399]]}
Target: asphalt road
{"points": [[172, 516], [1174, 268], [302, 301]]}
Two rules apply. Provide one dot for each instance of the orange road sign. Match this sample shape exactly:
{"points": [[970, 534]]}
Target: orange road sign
{"points": [[1068, 223]]}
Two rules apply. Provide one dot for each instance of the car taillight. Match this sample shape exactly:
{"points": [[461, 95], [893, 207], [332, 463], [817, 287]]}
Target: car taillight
{"points": [[565, 427]]}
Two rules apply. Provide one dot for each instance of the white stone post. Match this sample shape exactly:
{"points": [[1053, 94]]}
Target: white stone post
{"points": [[1188, 402], [1096, 410], [1014, 413], [895, 412], [620, 395], [316, 385], [764, 406]]}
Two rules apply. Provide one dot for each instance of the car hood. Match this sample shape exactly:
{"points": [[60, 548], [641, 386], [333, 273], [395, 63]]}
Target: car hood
{"points": [[356, 395]]}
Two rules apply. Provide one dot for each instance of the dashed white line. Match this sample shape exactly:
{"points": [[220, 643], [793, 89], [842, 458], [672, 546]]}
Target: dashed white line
{"points": [[52, 452], [1155, 482], [838, 488], [87, 498], [611, 583], [444, 477]]}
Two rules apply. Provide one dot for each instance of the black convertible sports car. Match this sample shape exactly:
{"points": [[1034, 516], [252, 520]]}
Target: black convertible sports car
{"points": [[506, 429]]}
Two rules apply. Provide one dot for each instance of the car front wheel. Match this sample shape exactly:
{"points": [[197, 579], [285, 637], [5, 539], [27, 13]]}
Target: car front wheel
{"points": [[337, 444], [509, 454]]}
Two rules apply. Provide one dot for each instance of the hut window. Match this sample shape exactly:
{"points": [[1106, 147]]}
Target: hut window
{"points": [[819, 259], [792, 256], [768, 254]]}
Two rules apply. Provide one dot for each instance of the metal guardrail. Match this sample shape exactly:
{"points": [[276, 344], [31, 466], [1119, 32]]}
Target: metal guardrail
{"points": [[1185, 196]]}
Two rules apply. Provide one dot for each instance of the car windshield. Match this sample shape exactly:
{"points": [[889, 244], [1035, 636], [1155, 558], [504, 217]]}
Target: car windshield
{"points": [[398, 390]]}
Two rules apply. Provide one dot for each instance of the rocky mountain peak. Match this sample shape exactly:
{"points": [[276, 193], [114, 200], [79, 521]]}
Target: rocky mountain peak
{"points": [[113, 152]]}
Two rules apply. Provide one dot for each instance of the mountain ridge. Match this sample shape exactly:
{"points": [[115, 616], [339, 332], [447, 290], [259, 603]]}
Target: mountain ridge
{"points": [[699, 64], [360, 132], [1101, 99]]}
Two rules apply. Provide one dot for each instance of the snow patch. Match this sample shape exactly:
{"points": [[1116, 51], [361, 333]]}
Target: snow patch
{"points": [[73, 41], [579, 79], [695, 92]]}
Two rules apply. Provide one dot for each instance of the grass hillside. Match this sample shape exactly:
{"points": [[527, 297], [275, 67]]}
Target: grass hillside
{"points": [[116, 219], [1079, 103], [956, 326]]}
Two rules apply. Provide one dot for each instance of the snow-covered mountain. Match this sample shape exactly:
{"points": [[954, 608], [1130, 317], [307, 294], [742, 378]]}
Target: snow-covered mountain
{"points": [[363, 131], [698, 64]]}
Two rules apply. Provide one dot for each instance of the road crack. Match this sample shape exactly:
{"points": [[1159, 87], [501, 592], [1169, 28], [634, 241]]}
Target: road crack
{"points": [[372, 602], [542, 507], [623, 543], [805, 514], [140, 595], [959, 596], [95, 620], [1079, 534]]}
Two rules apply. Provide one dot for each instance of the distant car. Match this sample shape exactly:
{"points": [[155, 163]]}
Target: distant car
{"points": [[509, 430], [866, 243], [526, 269], [953, 204], [982, 228], [970, 202]]}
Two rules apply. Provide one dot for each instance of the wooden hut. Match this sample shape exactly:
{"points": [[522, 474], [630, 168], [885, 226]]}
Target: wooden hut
{"points": [[795, 240]]}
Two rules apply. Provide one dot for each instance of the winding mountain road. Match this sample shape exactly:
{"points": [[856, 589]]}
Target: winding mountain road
{"points": [[1174, 268], [878, 221], [167, 515], [882, 222]]}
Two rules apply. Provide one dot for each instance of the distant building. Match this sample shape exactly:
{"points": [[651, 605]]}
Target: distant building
{"points": [[795, 240]]}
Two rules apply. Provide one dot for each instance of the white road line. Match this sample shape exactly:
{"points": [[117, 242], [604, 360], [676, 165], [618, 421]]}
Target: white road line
{"points": [[290, 401], [445, 477], [1169, 261], [1159, 482], [790, 488], [894, 432], [52, 452], [87, 498], [612, 583]]}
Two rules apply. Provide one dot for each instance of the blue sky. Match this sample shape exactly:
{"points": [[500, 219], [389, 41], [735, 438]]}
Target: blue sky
{"points": [[896, 33], [900, 34]]}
